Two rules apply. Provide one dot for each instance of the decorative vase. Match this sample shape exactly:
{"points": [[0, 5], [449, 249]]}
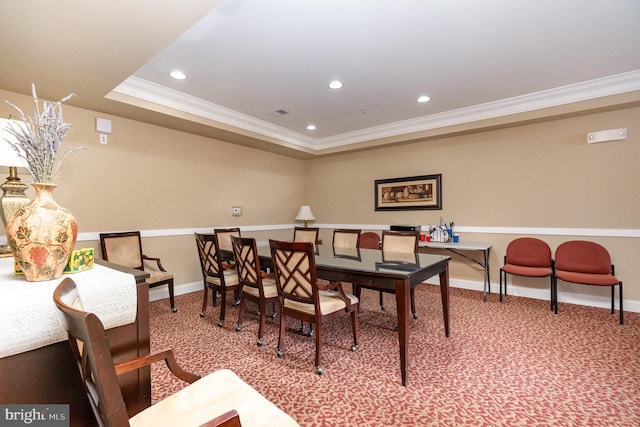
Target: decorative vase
{"points": [[42, 236]]}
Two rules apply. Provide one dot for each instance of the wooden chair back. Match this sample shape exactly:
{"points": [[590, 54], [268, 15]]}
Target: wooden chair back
{"points": [[245, 253], [210, 262], [224, 237], [306, 234], [400, 241], [346, 238], [91, 350], [294, 267], [123, 248]]}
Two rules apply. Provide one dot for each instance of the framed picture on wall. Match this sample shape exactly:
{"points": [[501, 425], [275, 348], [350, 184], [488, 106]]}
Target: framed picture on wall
{"points": [[409, 193]]}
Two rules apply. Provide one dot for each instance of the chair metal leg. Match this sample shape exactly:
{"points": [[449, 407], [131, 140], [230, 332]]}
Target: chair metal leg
{"points": [[171, 297], [620, 297]]}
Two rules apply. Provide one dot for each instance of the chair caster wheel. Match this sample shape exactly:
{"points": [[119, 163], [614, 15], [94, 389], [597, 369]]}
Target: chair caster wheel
{"points": [[202, 314], [382, 308], [238, 328], [221, 323], [174, 310], [415, 316], [319, 370], [259, 343], [280, 354], [354, 348], [236, 303]]}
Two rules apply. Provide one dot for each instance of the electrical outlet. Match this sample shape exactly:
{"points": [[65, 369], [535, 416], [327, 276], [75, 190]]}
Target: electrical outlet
{"points": [[103, 138], [236, 210]]}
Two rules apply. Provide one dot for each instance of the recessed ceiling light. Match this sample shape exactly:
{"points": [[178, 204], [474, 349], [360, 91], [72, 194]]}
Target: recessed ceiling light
{"points": [[311, 127], [335, 84], [423, 98], [178, 75]]}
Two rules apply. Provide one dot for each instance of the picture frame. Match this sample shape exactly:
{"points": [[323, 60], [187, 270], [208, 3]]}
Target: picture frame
{"points": [[409, 193]]}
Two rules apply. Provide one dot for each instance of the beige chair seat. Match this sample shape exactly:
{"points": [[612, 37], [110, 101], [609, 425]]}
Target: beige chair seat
{"points": [[209, 397], [330, 302], [158, 276], [269, 286], [230, 278]]}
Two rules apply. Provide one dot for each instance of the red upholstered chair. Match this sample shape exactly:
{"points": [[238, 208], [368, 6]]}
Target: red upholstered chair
{"points": [[528, 257], [301, 295], [586, 263], [369, 240]]}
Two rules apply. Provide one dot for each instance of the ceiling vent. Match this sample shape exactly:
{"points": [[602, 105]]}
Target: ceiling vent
{"points": [[280, 112]]}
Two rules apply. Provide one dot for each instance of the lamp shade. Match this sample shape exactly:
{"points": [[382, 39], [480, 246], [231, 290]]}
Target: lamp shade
{"points": [[305, 214], [8, 156]]}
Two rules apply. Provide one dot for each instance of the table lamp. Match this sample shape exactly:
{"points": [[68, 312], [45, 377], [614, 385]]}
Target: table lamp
{"points": [[305, 214], [13, 197]]}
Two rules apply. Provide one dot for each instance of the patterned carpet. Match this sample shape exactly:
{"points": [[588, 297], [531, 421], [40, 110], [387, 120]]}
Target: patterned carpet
{"points": [[509, 364]]}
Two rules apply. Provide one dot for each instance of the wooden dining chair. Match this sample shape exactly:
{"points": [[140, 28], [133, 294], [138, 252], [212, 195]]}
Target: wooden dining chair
{"points": [[393, 241], [301, 295], [216, 274], [306, 234], [369, 240], [346, 238], [125, 248], [586, 263], [255, 285], [224, 241], [218, 399]]}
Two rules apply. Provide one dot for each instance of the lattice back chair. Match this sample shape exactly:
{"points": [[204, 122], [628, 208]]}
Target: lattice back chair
{"points": [[125, 248], [528, 257], [306, 234], [216, 274], [255, 285], [303, 297], [210, 401], [586, 263], [346, 238]]}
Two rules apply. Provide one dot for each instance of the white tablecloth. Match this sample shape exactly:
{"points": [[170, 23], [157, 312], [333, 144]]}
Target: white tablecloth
{"points": [[29, 319]]}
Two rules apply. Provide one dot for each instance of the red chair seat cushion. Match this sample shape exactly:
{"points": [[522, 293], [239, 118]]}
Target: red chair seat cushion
{"points": [[520, 270], [587, 278]]}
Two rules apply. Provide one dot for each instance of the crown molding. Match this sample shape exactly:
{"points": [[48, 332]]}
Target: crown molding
{"points": [[157, 94]]}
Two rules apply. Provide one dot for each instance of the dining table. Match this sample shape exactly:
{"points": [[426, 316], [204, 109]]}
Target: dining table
{"points": [[386, 271]]}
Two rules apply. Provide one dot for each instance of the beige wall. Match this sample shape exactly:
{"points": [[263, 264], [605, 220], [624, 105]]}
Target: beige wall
{"points": [[153, 178], [539, 176]]}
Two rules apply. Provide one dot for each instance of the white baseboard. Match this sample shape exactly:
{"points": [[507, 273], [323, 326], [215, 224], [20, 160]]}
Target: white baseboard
{"points": [[542, 294]]}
